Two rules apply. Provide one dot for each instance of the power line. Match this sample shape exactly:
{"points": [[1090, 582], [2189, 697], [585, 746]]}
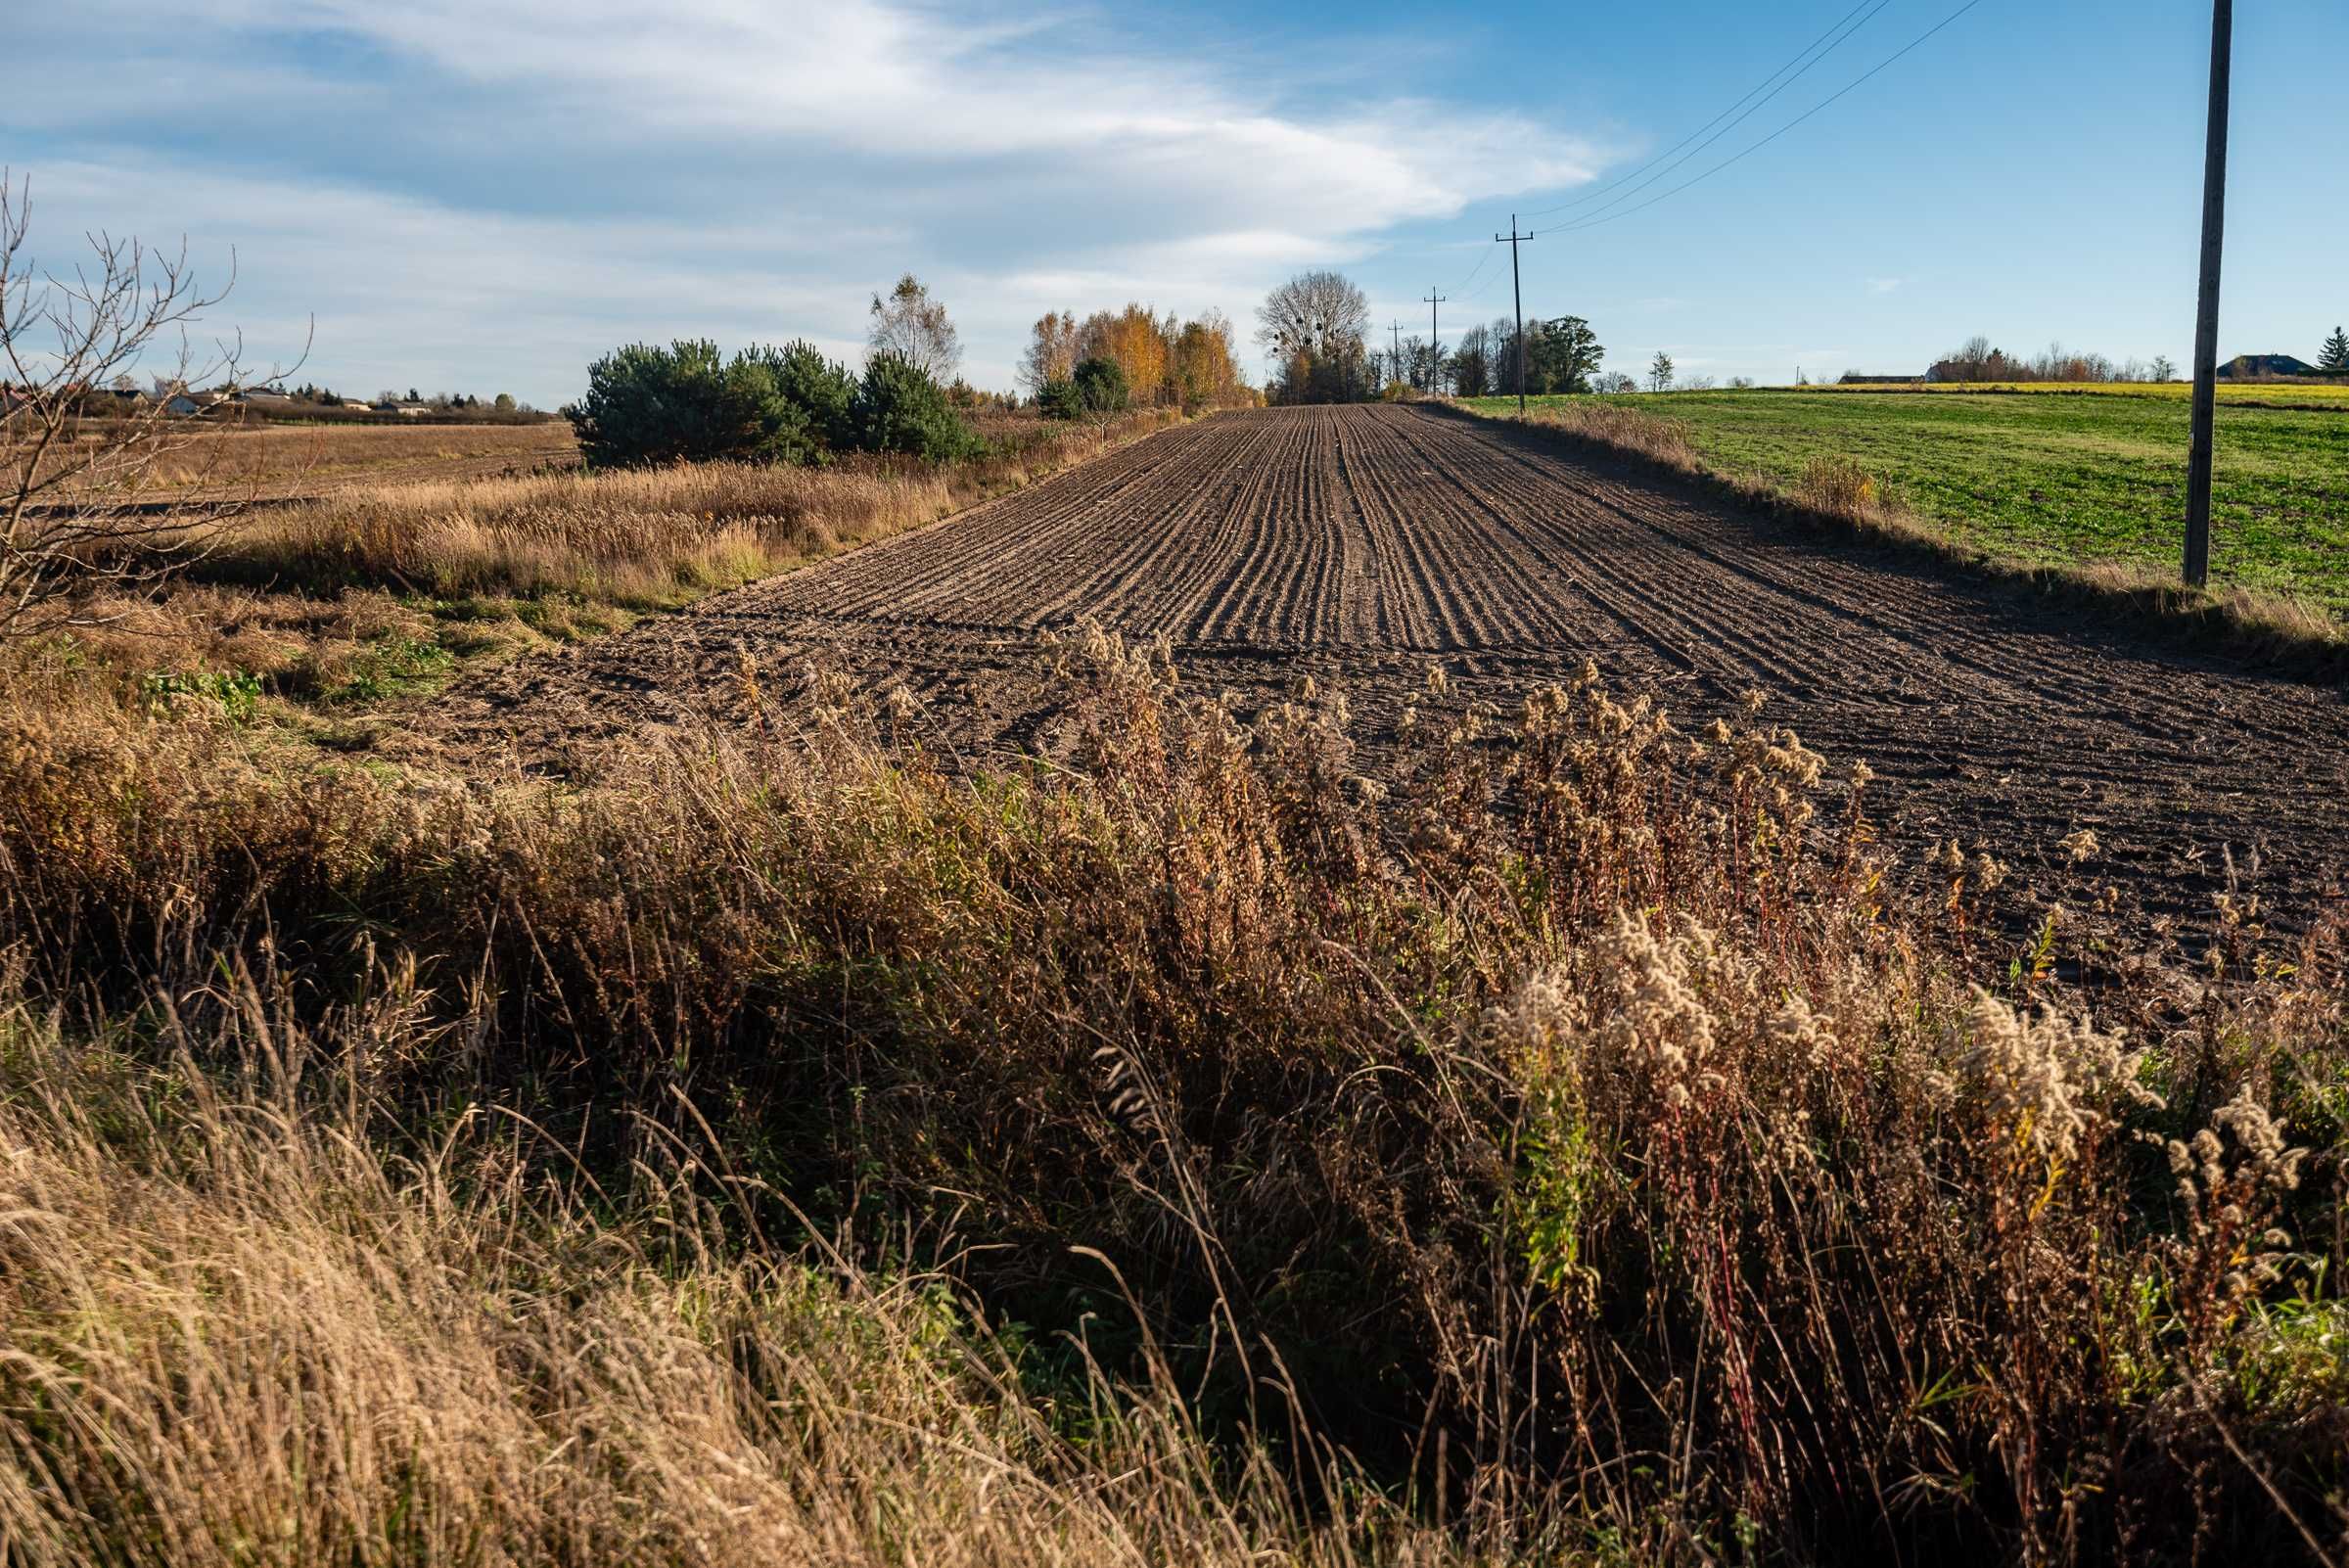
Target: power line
{"points": [[1517, 292], [1685, 160], [1472, 272], [1798, 60], [1435, 338], [1575, 226]]}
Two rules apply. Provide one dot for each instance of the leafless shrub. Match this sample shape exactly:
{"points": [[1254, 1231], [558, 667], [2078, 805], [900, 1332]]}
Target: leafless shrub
{"points": [[81, 502]]}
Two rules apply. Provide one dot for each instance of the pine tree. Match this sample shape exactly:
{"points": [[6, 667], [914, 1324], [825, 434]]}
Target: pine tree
{"points": [[2334, 360]]}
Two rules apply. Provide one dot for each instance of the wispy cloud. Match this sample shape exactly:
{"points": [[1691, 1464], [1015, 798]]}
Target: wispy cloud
{"points": [[1885, 284], [533, 179]]}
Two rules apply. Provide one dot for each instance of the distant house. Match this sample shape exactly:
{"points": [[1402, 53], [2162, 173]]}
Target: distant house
{"points": [[185, 405], [2265, 367]]}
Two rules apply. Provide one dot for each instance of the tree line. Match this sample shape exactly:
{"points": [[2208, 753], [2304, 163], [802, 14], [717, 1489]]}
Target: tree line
{"points": [[1316, 329], [1110, 359], [647, 404], [1977, 360], [689, 402]]}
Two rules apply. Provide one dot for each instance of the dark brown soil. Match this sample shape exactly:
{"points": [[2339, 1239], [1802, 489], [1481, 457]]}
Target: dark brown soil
{"points": [[1359, 545]]}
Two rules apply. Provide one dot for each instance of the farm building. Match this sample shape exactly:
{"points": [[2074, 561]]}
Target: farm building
{"points": [[2265, 367]]}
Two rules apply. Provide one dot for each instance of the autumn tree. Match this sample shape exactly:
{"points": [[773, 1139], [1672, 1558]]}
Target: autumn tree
{"points": [[1204, 368], [1136, 341], [1659, 372], [913, 326], [1051, 352]]}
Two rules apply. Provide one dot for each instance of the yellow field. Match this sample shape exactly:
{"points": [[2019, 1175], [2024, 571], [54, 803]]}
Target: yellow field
{"points": [[2250, 394]]}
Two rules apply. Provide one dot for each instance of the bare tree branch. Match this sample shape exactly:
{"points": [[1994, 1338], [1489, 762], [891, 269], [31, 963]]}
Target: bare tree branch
{"points": [[94, 494]]}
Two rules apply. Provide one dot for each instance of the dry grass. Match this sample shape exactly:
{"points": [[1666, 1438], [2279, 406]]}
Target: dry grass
{"points": [[1593, 1134], [1840, 494], [278, 460], [630, 537], [254, 1324], [387, 585]]}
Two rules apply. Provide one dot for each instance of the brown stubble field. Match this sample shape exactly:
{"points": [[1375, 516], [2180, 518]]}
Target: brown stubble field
{"points": [[281, 462]]}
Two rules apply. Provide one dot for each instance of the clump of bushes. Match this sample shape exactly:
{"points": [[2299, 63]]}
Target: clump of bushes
{"points": [[1097, 386], [648, 406], [898, 408]]}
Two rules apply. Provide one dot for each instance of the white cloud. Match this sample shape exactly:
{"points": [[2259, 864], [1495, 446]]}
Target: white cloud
{"points": [[1884, 285], [521, 184], [415, 291], [943, 88]]}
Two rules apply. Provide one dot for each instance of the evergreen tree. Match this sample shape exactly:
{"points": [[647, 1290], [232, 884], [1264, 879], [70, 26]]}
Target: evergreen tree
{"points": [[2334, 359]]}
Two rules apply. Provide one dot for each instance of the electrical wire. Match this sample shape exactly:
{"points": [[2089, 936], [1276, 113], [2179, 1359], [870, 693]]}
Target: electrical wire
{"points": [[1814, 53], [1689, 157], [1472, 274], [1594, 220], [1810, 56]]}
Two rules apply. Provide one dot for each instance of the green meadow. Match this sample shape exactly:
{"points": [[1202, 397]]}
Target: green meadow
{"points": [[2057, 479]]}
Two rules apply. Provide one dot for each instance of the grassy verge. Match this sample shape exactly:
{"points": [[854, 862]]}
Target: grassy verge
{"points": [[1194, 1153], [2076, 496], [316, 611]]}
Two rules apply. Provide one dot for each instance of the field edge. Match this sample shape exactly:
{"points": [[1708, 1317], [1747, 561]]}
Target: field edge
{"points": [[2275, 632]]}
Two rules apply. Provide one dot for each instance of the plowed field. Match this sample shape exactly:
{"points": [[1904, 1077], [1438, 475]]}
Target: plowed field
{"points": [[1360, 544]]}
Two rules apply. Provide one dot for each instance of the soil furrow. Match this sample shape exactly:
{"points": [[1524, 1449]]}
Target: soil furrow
{"points": [[1357, 543]]}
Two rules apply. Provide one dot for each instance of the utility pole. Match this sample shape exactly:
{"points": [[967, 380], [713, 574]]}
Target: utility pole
{"points": [[1395, 358], [2206, 315], [1435, 340], [1517, 299]]}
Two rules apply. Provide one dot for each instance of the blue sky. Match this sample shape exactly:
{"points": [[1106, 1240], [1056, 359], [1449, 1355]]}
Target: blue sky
{"points": [[483, 195]]}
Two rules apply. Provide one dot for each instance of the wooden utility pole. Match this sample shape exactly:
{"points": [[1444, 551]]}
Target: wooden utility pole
{"points": [[1435, 338], [1517, 299], [1395, 359], [2206, 314]]}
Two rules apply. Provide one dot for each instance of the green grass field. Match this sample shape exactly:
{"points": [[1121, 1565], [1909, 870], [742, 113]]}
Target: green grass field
{"points": [[2057, 480]]}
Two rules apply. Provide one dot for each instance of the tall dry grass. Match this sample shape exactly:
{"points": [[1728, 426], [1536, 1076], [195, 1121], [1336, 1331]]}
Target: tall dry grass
{"points": [[310, 600], [1587, 1132], [632, 537], [260, 1323]]}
